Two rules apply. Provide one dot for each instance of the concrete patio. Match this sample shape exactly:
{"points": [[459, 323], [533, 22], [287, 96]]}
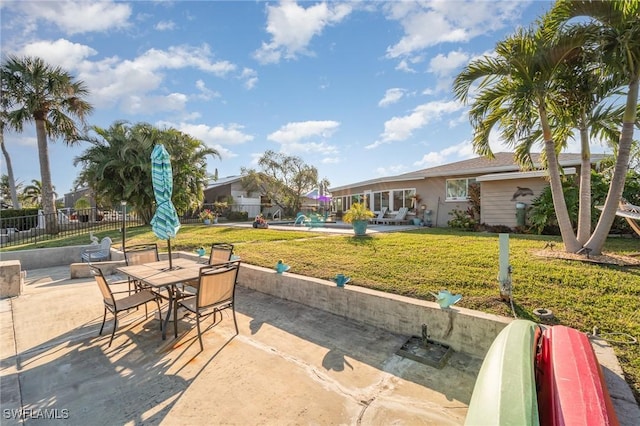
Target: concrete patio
{"points": [[290, 364]]}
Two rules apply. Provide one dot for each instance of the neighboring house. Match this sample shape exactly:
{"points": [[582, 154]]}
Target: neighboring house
{"points": [[230, 188], [70, 198], [442, 189]]}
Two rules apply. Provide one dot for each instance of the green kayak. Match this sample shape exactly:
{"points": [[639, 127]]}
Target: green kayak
{"points": [[505, 390]]}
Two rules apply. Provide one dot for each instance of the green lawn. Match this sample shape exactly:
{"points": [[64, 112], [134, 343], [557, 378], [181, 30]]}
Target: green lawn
{"points": [[414, 263]]}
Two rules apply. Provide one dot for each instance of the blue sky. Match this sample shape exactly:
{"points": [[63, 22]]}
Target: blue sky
{"points": [[359, 90]]}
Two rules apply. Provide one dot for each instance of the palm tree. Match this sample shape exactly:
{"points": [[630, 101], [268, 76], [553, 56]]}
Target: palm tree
{"points": [[50, 97], [5, 188], [13, 192], [32, 194], [117, 166], [581, 89], [615, 27], [514, 93]]}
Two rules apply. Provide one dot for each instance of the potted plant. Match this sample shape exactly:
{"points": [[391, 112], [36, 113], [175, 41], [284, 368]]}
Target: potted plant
{"points": [[206, 215], [358, 215], [219, 207], [260, 222]]}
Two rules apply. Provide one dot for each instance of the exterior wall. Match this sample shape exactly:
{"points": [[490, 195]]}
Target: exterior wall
{"points": [[71, 197], [497, 202], [431, 190]]}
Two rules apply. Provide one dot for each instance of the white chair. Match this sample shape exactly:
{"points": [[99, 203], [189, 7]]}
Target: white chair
{"points": [[380, 216], [99, 253]]}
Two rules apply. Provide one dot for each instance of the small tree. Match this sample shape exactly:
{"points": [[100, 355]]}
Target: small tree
{"points": [[283, 179]]}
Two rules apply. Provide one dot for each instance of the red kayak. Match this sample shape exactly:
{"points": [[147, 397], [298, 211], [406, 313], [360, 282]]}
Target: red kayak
{"points": [[571, 386]]}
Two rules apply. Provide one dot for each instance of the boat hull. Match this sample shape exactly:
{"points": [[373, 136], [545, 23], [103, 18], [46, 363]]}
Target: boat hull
{"points": [[505, 390], [572, 390]]}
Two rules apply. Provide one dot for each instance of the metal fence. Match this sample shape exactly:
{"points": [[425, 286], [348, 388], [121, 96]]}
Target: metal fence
{"points": [[32, 229]]}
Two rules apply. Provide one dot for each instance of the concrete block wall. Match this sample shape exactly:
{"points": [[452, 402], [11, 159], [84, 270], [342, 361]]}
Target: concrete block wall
{"points": [[465, 330], [11, 278], [48, 257]]}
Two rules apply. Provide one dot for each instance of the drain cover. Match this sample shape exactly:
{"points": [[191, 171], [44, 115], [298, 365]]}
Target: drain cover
{"points": [[433, 353]]}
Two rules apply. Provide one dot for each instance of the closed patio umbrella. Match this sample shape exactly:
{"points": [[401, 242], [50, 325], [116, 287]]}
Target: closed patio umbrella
{"points": [[165, 222]]}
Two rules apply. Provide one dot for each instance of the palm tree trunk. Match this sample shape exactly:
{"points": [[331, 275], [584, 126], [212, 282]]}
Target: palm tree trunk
{"points": [[584, 209], [48, 202], [569, 239], [12, 183], [597, 240]]}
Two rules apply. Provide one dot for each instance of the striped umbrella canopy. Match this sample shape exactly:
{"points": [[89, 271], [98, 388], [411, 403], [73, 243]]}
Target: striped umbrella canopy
{"points": [[165, 222]]}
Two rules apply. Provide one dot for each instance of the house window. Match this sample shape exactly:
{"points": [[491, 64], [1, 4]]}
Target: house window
{"points": [[458, 189], [380, 200], [402, 198]]}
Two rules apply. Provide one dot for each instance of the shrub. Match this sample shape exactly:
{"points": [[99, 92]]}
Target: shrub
{"points": [[463, 220], [237, 216]]}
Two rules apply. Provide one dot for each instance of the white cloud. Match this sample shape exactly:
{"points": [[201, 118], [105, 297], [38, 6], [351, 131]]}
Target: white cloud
{"points": [[391, 96], [217, 137], [292, 27], [391, 170], [230, 134], [76, 17], [151, 104], [129, 83], [461, 151], [60, 52], [294, 132], [205, 92], [306, 137], [403, 65], [165, 26], [250, 78], [427, 24], [445, 65], [402, 128]]}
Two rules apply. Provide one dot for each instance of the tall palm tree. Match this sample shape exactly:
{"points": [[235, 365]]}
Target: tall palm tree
{"points": [[582, 88], [50, 97], [615, 26], [514, 93]]}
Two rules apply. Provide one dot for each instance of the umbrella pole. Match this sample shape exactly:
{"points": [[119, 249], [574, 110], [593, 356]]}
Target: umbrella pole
{"points": [[170, 261]]}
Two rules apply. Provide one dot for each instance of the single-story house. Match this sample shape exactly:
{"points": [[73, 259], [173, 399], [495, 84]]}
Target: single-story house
{"points": [[432, 194]]}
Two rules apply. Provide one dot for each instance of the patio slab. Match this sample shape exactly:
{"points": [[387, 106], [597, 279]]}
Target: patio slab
{"points": [[290, 364]]}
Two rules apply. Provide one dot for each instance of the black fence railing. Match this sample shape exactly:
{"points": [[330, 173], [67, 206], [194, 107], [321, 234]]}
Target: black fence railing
{"points": [[33, 229]]}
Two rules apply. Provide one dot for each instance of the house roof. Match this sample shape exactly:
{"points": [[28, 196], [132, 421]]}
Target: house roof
{"points": [[223, 181], [502, 162]]}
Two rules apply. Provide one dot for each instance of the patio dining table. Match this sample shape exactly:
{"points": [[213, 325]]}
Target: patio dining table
{"points": [[158, 275]]}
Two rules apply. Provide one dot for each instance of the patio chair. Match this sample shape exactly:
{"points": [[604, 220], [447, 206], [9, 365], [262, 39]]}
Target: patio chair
{"points": [[113, 305], [139, 254], [380, 216], [220, 252], [399, 218], [215, 292], [99, 253]]}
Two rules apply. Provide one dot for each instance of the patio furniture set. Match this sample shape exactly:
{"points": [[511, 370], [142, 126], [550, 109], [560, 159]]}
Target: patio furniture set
{"points": [[202, 289]]}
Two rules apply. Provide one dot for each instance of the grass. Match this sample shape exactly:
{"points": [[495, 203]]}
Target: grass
{"points": [[414, 263]]}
